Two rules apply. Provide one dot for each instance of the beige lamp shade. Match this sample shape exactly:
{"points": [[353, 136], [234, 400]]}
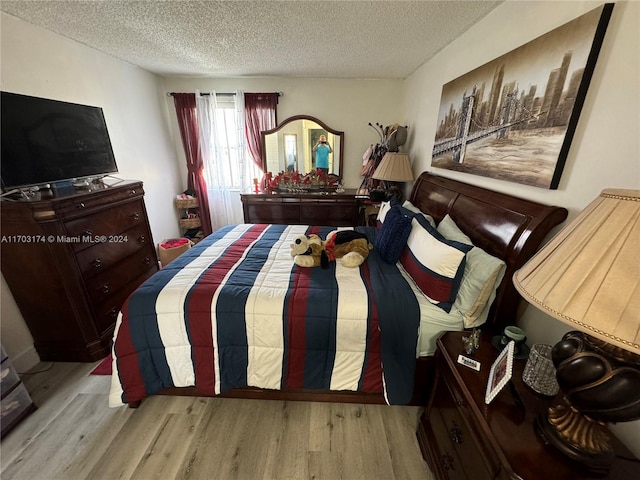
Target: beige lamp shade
{"points": [[588, 276], [394, 167]]}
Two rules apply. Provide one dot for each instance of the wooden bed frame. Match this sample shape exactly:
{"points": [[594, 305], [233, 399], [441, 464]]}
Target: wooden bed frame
{"points": [[507, 227]]}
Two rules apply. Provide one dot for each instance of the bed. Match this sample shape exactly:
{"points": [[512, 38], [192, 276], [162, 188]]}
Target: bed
{"points": [[235, 317]]}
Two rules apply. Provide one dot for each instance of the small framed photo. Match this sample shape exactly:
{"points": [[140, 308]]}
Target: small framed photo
{"points": [[500, 373]]}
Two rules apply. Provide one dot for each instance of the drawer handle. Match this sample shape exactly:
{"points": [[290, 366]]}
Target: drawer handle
{"points": [[105, 288], [142, 239], [135, 216], [97, 263], [132, 192], [80, 205], [147, 260], [112, 313], [456, 434], [88, 233], [460, 402], [448, 462]]}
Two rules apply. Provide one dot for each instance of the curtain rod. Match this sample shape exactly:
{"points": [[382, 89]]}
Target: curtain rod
{"points": [[229, 94]]}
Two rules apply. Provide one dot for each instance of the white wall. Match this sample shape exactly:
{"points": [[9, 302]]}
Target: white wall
{"points": [[346, 105], [40, 63], [605, 152]]}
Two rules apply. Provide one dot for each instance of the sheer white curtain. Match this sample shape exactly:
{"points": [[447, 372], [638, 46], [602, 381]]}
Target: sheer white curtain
{"points": [[223, 147]]}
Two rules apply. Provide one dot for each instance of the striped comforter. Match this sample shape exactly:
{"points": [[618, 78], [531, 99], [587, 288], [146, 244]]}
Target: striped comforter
{"points": [[236, 311]]}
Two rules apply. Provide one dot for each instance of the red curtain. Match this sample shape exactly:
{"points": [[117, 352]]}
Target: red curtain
{"points": [[185, 104], [260, 114]]}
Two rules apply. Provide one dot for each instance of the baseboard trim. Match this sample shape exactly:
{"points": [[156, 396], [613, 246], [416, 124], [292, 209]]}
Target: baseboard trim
{"points": [[26, 360]]}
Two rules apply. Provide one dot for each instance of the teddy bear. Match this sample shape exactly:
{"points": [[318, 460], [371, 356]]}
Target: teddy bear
{"points": [[348, 246], [307, 250]]}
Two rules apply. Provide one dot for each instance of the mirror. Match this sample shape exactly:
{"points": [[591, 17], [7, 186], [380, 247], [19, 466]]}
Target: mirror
{"points": [[290, 146]]}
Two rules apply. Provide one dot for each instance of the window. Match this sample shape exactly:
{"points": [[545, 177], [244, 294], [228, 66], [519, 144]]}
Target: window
{"points": [[235, 169], [291, 151]]}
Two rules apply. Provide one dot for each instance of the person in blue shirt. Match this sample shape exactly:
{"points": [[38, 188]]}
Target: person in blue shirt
{"points": [[322, 150]]}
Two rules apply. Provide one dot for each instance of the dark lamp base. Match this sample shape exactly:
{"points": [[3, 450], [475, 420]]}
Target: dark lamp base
{"points": [[394, 191], [593, 460]]}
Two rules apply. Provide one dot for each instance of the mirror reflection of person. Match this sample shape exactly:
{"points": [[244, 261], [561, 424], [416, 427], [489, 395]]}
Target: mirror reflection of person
{"points": [[291, 163], [322, 150]]}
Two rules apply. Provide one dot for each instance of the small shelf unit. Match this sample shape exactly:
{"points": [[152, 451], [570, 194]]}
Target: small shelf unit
{"points": [[189, 214]]}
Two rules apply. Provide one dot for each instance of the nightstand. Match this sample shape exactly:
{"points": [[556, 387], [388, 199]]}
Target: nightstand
{"points": [[462, 438]]}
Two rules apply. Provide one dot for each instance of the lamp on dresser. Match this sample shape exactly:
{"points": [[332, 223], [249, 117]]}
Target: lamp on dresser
{"points": [[588, 276], [394, 167]]}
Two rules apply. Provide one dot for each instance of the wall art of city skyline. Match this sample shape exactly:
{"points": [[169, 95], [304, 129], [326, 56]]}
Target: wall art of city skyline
{"points": [[514, 117]]}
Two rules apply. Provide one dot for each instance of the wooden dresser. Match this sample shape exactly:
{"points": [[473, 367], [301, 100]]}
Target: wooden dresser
{"points": [[462, 438], [71, 258], [332, 209]]}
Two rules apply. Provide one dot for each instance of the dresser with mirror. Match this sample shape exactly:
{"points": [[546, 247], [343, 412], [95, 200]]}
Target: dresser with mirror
{"points": [[290, 148]]}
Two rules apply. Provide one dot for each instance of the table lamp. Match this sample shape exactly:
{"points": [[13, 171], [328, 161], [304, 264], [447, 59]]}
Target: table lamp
{"points": [[588, 276], [394, 167]]}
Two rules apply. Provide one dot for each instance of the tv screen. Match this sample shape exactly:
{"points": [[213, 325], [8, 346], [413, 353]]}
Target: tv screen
{"points": [[47, 141]]}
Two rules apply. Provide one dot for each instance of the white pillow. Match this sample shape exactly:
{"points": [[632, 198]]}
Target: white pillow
{"points": [[382, 212], [435, 264], [483, 273], [411, 207]]}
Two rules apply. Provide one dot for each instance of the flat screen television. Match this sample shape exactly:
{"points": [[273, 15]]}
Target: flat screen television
{"points": [[47, 141]]}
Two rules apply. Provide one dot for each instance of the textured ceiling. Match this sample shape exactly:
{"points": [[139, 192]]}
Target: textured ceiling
{"points": [[334, 39]]}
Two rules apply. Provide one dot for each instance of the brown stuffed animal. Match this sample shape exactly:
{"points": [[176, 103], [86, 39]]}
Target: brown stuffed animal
{"points": [[348, 246], [307, 250]]}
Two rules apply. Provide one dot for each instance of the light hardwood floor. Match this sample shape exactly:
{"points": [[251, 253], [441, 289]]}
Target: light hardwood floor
{"points": [[75, 435]]}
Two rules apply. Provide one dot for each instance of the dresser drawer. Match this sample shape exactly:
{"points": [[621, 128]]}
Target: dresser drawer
{"points": [[273, 212], [447, 455], [331, 214], [105, 284], [458, 438], [83, 204], [101, 257], [107, 312], [107, 222], [462, 431], [301, 209], [8, 377]]}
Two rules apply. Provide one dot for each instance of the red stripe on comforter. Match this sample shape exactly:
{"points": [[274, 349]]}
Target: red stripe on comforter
{"points": [[199, 306]]}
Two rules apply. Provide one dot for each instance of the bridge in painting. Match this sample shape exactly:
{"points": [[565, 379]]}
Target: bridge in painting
{"points": [[465, 135]]}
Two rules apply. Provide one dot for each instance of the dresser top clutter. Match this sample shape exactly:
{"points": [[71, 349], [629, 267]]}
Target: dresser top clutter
{"points": [[55, 195]]}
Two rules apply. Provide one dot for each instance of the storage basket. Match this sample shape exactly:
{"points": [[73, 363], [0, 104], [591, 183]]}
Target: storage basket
{"points": [[167, 255], [190, 222], [186, 202]]}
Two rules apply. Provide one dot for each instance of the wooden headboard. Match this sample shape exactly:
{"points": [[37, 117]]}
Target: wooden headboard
{"points": [[507, 227]]}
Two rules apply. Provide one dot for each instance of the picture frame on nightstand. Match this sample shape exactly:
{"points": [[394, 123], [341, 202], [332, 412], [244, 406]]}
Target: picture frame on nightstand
{"points": [[501, 372]]}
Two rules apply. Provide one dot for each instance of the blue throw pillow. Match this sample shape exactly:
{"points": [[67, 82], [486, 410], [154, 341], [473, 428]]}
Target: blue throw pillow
{"points": [[392, 239]]}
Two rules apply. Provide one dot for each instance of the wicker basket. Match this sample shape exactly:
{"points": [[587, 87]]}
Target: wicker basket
{"points": [[190, 222], [186, 202]]}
